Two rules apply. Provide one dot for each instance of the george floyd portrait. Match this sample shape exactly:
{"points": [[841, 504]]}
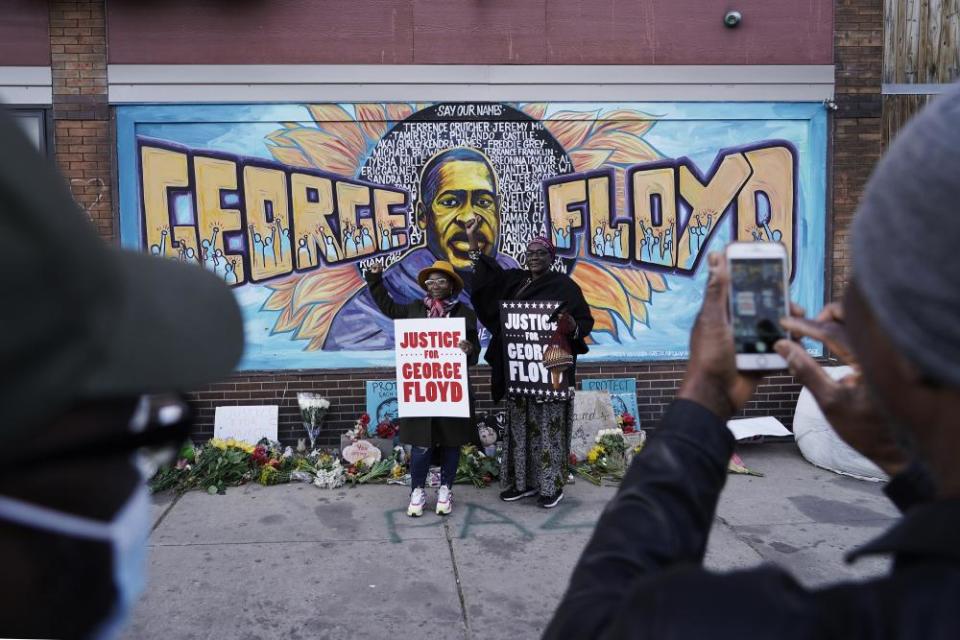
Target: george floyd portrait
{"points": [[455, 185]]}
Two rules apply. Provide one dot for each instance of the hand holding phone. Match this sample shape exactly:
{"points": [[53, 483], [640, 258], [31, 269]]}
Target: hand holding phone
{"points": [[758, 300], [712, 379]]}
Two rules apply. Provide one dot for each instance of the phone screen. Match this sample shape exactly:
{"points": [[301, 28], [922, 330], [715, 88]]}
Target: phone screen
{"points": [[758, 303]]}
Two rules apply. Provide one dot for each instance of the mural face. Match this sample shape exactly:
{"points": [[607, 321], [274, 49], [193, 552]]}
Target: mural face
{"points": [[290, 204]]}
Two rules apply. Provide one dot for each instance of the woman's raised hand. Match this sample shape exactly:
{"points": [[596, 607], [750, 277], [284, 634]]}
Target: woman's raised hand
{"points": [[466, 347], [472, 228]]}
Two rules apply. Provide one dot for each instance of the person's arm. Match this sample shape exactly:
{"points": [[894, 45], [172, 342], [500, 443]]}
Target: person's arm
{"points": [[579, 312], [660, 518], [472, 343], [378, 289]]}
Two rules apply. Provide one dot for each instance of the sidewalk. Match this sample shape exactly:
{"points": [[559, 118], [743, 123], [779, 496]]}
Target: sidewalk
{"points": [[295, 561]]}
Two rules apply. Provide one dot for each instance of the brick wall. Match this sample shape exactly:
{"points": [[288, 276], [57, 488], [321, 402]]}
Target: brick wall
{"points": [[81, 114], [858, 55], [657, 384]]}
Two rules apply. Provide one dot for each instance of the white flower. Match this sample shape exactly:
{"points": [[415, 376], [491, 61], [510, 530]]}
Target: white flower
{"points": [[608, 432], [331, 479], [312, 401]]}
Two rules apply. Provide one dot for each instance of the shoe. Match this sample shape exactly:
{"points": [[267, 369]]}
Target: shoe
{"points": [[512, 494], [444, 501], [549, 502], [417, 499]]}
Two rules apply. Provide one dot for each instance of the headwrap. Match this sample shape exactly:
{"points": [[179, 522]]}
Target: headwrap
{"points": [[546, 244], [904, 240]]}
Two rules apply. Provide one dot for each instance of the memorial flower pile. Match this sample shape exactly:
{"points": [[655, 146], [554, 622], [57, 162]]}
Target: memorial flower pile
{"points": [[606, 459], [219, 464]]}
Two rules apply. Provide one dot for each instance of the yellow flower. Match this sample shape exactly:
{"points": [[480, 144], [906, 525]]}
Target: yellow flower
{"points": [[594, 454], [218, 444], [396, 471], [245, 446]]}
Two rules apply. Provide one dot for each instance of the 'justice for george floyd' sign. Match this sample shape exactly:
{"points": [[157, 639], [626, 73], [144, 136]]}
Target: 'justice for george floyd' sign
{"points": [[431, 368], [526, 334]]}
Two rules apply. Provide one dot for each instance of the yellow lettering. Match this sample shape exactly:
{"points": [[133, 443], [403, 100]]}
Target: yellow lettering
{"points": [[309, 221], [164, 169], [357, 235], [268, 227], [211, 175]]}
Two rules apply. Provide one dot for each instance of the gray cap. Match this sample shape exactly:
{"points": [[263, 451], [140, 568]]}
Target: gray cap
{"points": [[81, 320], [906, 240]]}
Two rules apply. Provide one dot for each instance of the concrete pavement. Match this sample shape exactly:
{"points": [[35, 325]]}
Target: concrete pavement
{"points": [[295, 561]]}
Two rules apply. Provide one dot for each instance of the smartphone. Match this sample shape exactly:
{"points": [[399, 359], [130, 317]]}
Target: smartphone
{"points": [[758, 299]]}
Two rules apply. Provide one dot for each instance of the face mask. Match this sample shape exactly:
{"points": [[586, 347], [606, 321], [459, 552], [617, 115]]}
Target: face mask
{"points": [[127, 535]]}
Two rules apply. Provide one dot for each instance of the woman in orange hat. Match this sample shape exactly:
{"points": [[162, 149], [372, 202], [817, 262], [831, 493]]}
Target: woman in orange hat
{"points": [[442, 435]]}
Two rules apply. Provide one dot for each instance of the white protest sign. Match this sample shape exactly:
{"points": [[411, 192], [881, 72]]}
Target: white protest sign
{"points": [[748, 428], [592, 411], [249, 424], [431, 368]]}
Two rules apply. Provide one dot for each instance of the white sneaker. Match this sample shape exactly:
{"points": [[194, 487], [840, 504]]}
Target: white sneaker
{"points": [[444, 501], [417, 499]]}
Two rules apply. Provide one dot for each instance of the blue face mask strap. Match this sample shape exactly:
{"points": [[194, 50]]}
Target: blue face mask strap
{"points": [[37, 517]]}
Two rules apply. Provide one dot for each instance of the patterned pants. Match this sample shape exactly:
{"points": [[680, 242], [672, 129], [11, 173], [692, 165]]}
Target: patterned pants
{"points": [[536, 446]]}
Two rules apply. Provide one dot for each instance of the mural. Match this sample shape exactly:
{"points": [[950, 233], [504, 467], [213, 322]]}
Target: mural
{"points": [[290, 204]]}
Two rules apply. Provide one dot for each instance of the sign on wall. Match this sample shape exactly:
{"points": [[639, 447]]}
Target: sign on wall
{"points": [[431, 368], [592, 411], [381, 401], [623, 393], [290, 204]]}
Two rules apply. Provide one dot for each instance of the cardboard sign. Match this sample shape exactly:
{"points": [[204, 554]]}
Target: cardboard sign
{"points": [[361, 450], [249, 424], [381, 401], [623, 394], [431, 368], [526, 334], [592, 411]]}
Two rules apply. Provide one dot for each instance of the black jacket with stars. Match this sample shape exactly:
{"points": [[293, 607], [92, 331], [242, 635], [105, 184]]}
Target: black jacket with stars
{"points": [[492, 283], [641, 575]]}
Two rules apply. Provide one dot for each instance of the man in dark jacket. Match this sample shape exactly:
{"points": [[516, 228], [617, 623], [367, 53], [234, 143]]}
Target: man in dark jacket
{"points": [[641, 575]]}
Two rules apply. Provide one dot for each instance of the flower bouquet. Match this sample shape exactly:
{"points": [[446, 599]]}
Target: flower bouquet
{"points": [[328, 472], [476, 468], [313, 410], [606, 459]]}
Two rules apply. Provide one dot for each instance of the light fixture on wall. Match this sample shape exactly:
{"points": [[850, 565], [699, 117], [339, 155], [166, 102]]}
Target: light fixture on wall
{"points": [[732, 19]]}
